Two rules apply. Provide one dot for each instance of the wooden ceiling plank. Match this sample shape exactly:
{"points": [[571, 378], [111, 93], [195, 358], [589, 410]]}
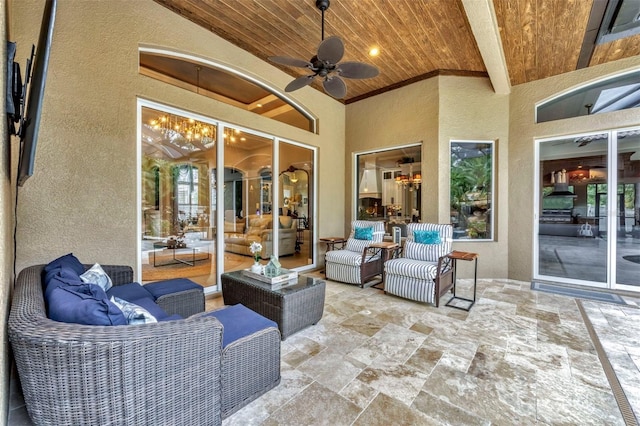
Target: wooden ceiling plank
{"points": [[393, 22], [508, 15], [539, 38], [370, 23]]}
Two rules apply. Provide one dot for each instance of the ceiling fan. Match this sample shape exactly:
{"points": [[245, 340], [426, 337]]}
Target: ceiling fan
{"points": [[326, 64]]}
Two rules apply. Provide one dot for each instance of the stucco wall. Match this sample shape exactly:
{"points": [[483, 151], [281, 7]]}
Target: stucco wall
{"points": [[435, 111], [82, 197], [470, 110], [6, 230], [522, 133]]}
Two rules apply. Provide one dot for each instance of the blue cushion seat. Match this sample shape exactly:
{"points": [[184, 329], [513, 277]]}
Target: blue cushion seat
{"points": [[162, 288], [239, 321], [130, 292], [154, 309]]}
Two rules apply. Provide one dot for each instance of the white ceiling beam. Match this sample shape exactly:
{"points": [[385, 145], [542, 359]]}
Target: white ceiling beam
{"points": [[484, 24]]}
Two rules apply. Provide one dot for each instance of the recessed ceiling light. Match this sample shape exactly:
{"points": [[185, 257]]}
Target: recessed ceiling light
{"points": [[374, 51], [259, 105]]}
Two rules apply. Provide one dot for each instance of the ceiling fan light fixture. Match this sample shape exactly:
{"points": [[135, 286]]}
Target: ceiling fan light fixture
{"points": [[326, 64]]}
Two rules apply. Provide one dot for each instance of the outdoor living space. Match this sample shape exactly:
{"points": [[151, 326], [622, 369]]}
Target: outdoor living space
{"points": [[518, 357], [173, 149]]}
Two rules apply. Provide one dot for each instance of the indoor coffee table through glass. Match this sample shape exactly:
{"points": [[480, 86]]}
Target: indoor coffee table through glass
{"points": [[293, 305], [187, 255]]}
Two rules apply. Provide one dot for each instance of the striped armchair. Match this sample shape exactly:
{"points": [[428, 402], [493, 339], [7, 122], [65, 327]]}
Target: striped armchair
{"points": [[424, 271], [354, 264]]}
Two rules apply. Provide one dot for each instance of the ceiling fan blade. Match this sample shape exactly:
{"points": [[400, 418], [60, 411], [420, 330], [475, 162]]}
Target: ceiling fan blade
{"points": [[293, 62], [357, 70], [299, 83], [331, 50], [335, 87]]}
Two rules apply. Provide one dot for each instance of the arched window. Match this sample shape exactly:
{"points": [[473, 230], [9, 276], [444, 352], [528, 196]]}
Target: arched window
{"points": [[224, 84], [615, 93]]}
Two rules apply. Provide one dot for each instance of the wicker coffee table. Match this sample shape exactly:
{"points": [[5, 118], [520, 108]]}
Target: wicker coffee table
{"points": [[293, 306]]}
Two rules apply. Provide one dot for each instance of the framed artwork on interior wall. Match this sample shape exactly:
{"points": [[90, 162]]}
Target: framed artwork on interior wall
{"points": [[472, 189]]}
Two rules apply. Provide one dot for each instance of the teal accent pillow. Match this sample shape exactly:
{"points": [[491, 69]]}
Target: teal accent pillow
{"points": [[427, 237], [363, 233]]}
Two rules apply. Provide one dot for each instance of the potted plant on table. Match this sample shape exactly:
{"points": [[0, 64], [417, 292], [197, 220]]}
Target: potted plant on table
{"points": [[256, 249]]}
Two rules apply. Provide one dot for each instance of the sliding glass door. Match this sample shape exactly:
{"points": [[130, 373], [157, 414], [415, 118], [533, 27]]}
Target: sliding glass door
{"points": [[587, 211], [209, 190]]}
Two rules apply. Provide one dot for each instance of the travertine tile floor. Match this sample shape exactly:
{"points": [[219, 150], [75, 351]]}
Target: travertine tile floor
{"points": [[519, 357]]}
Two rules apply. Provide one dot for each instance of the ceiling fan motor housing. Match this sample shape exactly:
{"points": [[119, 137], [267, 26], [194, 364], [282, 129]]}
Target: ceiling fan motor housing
{"points": [[322, 4]]}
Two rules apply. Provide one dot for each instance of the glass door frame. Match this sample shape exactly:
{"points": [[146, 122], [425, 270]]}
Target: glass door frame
{"points": [[220, 160], [611, 212]]}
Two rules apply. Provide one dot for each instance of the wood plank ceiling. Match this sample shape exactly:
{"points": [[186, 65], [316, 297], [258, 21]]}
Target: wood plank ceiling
{"points": [[417, 38]]}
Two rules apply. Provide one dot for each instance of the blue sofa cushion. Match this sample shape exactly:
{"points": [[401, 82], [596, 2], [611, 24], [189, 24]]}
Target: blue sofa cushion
{"points": [[239, 321], [68, 260], [162, 288], [65, 277], [83, 304], [154, 309], [130, 292]]}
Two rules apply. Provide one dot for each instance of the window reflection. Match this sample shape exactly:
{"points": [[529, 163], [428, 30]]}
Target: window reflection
{"points": [[472, 190], [390, 186], [179, 188]]}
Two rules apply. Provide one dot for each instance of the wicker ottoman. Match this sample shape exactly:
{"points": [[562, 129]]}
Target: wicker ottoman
{"points": [[292, 306], [178, 296]]}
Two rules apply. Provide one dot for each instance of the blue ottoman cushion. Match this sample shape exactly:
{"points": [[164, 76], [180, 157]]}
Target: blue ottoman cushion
{"points": [[130, 292], [162, 288], [239, 321]]}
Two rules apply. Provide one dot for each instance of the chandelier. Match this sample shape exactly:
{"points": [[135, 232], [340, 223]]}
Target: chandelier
{"points": [[409, 180], [185, 133], [232, 136]]}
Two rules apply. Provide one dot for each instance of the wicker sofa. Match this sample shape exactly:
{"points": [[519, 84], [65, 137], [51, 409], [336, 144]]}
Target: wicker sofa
{"points": [[178, 372]]}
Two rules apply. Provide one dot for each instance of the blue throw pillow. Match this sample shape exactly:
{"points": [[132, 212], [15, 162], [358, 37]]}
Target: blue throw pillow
{"points": [[427, 237], [363, 233], [60, 280], [63, 272], [68, 260], [83, 304]]}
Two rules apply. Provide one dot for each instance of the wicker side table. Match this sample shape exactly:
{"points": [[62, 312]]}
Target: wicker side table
{"points": [[292, 306]]}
